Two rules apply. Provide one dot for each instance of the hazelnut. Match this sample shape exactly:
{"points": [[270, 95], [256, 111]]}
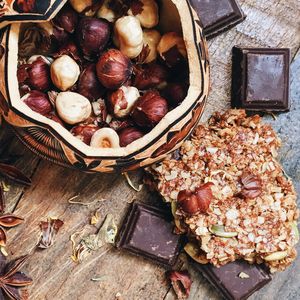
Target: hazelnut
{"points": [[129, 135], [113, 69], [128, 36], [52, 116], [93, 35], [99, 109], [36, 73], [89, 85], [84, 132], [72, 107], [105, 12], [69, 48], [198, 201], [64, 72], [151, 38], [175, 93], [149, 109], [147, 14], [122, 100], [118, 125], [150, 76], [105, 138], [38, 102], [172, 48], [67, 19], [251, 185]]}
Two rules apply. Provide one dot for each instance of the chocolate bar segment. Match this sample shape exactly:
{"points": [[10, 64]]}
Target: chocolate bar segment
{"points": [[148, 232], [237, 280], [261, 79], [218, 16]]}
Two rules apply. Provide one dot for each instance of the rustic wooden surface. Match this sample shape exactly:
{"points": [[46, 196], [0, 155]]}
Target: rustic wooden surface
{"points": [[269, 23]]}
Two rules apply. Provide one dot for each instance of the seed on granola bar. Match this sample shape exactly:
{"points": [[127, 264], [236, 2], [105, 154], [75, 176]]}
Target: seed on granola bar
{"points": [[276, 256], [219, 230]]}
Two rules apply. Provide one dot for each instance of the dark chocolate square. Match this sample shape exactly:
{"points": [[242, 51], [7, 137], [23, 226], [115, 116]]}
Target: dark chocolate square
{"points": [[227, 279], [218, 16], [260, 78], [149, 233]]}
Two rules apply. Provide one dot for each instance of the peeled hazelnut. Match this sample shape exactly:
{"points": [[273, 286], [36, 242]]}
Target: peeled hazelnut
{"points": [[151, 38], [64, 72], [198, 201], [36, 74], [128, 36], [87, 7], [72, 107], [129, 135], [105, 138], [175, 93], [172, 48], [147, 14], [122, 100], [38, 102], [149, 109], [67, 19], [93, 35], [150, 76], [89, 85], [113, 69], [84, 132], [106, 13]]}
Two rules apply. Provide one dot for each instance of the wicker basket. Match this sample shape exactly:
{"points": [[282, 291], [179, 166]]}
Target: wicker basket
{"points": [[51, 141]]}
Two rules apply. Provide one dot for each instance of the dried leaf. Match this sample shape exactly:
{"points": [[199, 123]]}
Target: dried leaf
{"points": [[14, 174], [1, 199], [10, 220], [49, 230], [84, 203], [95, 218]]}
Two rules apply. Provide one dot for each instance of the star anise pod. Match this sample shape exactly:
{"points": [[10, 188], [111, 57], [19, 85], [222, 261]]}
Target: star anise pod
{"points": [[14, 174], [8, 221], [11, 279]]}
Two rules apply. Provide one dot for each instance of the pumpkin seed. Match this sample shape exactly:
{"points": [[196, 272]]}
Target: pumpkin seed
{"points": [[276, 256], [219, 230]]}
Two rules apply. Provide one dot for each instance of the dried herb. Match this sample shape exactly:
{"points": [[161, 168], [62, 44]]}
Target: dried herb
{"points": [[49, 230], [93, 242], [14, 174], [12, 279], [181, 283]]}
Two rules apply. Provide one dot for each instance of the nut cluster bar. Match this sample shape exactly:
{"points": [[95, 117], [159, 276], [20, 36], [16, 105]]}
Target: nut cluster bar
{"points": [[148, 232], [237, 280], [218, 16], [260, 78]]}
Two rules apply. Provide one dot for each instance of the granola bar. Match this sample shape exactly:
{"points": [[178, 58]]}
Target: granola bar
{"points": [[252, 214]]}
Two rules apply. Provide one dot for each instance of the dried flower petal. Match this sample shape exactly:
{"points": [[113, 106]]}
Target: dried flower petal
{"points": [[14, 174], [49, 230], [10, 220], [181, 283]]}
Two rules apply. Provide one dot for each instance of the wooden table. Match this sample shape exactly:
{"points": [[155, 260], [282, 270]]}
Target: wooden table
{"points": [[269, 23]]}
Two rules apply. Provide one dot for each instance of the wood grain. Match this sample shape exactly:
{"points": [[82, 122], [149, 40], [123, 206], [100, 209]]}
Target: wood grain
{"points": [[269, 23]]}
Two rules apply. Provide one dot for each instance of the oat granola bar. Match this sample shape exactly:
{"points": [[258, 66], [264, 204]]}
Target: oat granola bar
{"points": [[252, 214]]}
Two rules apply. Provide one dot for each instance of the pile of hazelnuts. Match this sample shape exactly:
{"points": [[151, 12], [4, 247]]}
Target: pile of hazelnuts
{"points": [[103, 70]]}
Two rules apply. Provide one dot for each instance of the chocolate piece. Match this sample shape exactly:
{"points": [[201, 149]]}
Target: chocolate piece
{"points": [[147, 232], [218, 16], [260, 78], [230, 280]]}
